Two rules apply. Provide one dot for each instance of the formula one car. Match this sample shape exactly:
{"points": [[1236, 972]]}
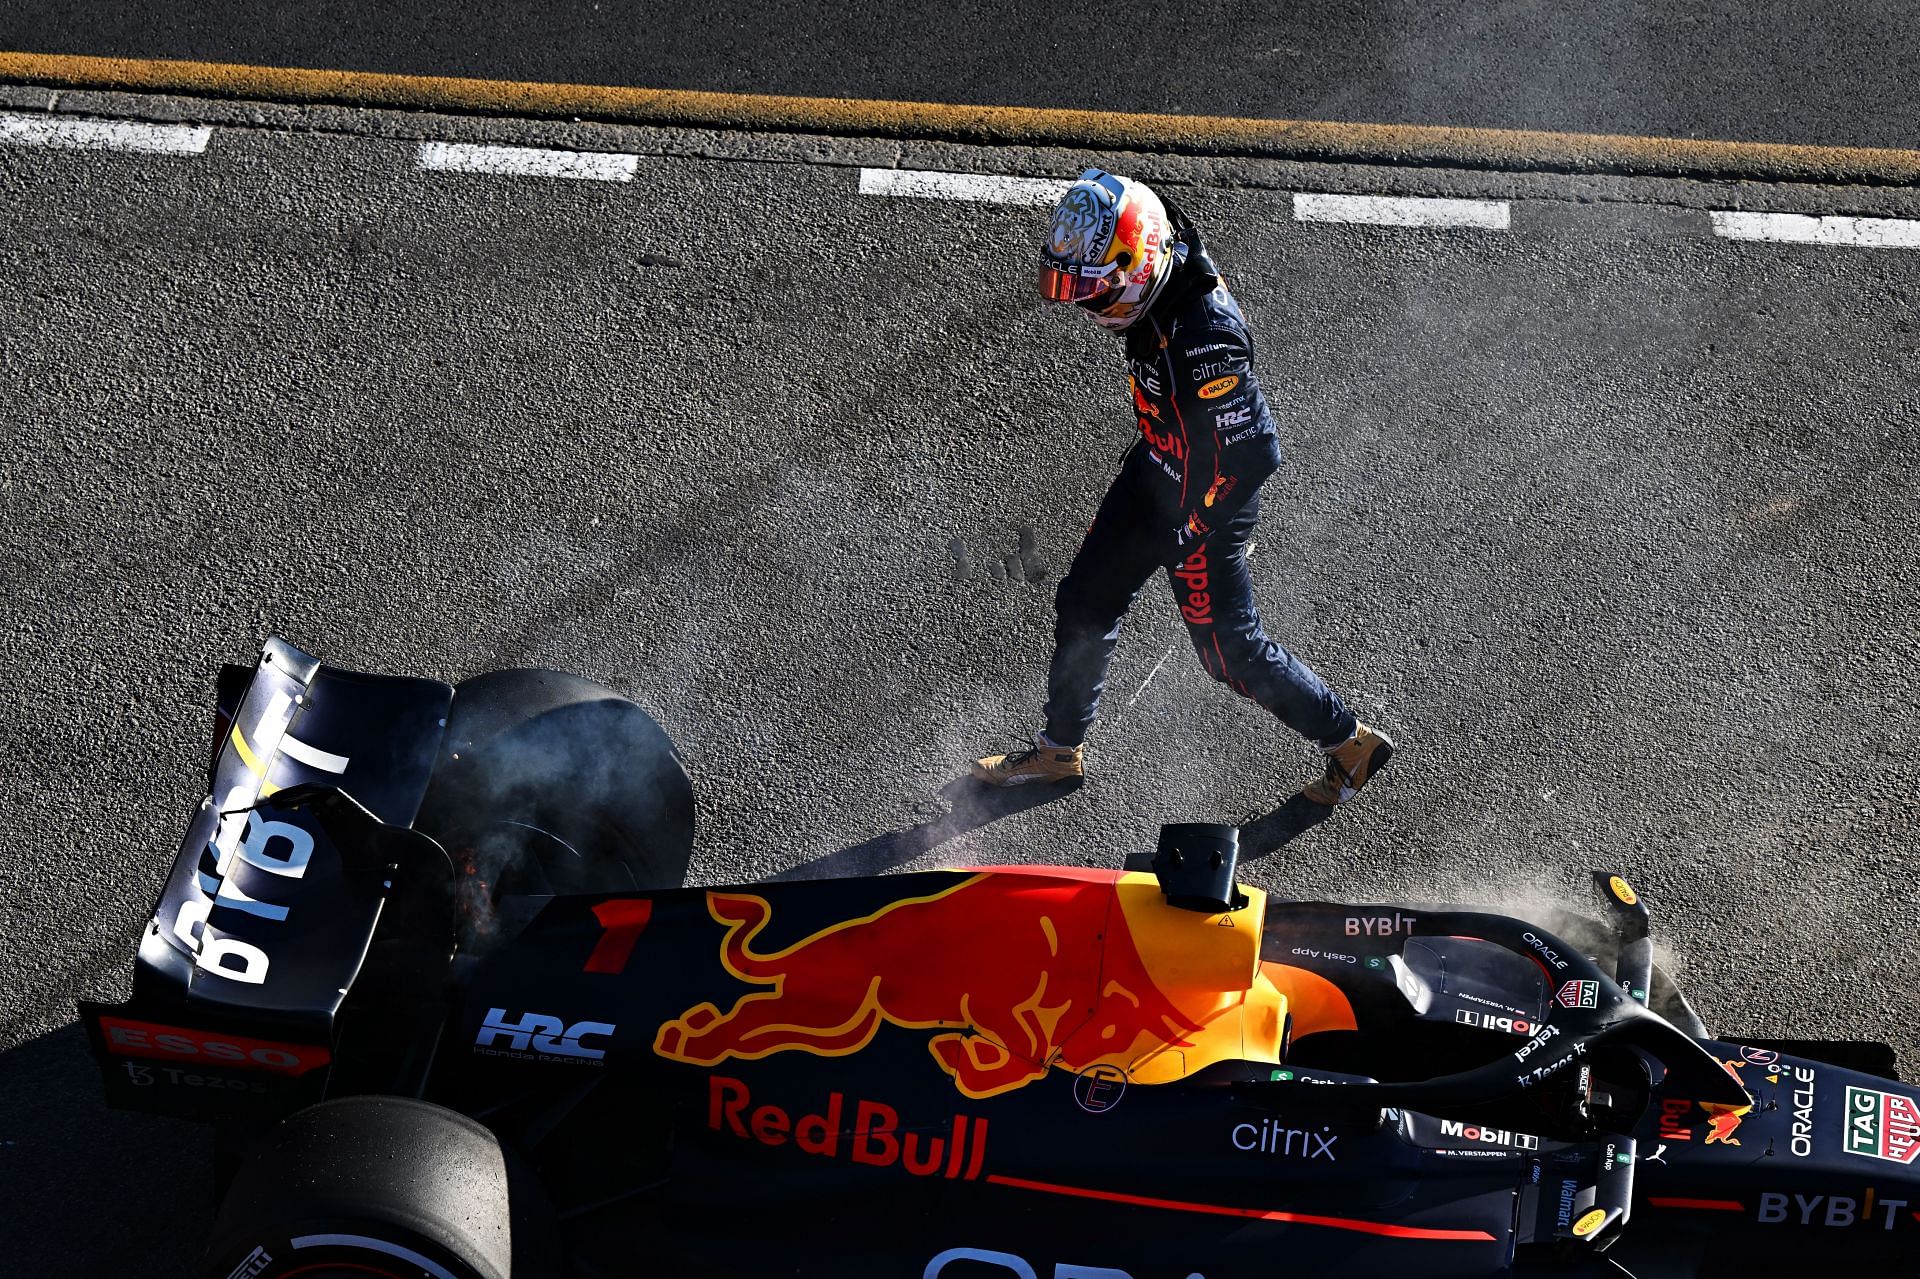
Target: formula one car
{"points": [[424, 960]]}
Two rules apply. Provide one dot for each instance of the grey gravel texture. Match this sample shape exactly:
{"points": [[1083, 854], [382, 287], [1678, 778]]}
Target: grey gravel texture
{"points": [[1604, 519]]}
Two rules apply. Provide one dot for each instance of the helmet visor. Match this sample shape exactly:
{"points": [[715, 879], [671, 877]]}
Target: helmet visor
{"points": [[1076, 282]]}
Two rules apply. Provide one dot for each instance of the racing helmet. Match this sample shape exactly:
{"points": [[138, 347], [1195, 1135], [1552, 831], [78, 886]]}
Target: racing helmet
{"points": [[1109, 248]]}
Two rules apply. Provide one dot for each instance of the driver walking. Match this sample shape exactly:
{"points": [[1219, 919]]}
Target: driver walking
{"points": [[1187, 495]]}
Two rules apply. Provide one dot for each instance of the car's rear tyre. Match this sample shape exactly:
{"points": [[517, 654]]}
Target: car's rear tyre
{"points": [[387, 1187], [549, 783]]}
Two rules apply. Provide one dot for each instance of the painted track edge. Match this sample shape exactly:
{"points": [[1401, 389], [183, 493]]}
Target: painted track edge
{"points": [[1331, 142]]}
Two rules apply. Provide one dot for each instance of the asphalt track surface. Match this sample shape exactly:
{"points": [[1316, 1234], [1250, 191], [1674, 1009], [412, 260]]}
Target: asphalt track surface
{"points": [[1804, 71], [1606, 519]]}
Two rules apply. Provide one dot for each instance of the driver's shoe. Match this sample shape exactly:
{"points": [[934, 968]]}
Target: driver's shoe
{"points": [[1038, 763], [1350, 765]]}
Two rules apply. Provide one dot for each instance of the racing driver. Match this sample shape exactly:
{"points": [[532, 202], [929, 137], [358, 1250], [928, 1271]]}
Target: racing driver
{"points": [[1187, 495]]}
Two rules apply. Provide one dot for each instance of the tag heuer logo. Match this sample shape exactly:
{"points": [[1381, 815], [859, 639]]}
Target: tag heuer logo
{"points": [[1579, 994], [1882, 1125]]}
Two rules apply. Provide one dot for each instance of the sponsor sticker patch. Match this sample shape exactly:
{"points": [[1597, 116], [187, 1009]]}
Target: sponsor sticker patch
{"points": [[126, 1038], [1882, 1125], [1579, 994]]}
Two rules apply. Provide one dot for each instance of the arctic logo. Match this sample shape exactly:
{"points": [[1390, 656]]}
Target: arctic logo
{"points": [[540, 1036], [1579, 994]]}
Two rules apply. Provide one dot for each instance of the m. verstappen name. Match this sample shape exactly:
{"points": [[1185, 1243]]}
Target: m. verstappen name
{"points": [[875, 1138]]}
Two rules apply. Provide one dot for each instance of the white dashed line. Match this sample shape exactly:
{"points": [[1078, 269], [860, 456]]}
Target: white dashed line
{"points": [[926, 184], [528, 162], [1399, 210], [104, 135], [1800, 228]]}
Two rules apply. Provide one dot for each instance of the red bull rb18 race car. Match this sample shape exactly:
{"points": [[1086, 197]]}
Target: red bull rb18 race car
{"points": [[425, 963]]}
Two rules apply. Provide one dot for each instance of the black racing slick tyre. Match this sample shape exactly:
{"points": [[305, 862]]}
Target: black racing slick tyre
{"points": [[549, 783], [381, 1188]]}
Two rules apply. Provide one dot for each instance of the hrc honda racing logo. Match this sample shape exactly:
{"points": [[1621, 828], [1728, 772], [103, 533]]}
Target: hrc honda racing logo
{"points": [[538, 1037]]}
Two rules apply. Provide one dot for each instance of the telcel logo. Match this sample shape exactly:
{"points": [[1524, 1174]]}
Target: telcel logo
{"points": [[539, 1035]]}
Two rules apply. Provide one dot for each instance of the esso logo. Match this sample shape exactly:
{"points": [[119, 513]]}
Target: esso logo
{"points": [[1218, 387], [175, 1043]]}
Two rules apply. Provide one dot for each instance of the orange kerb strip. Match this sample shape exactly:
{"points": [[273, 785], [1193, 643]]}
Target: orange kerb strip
{"points": [[1320, 140]]}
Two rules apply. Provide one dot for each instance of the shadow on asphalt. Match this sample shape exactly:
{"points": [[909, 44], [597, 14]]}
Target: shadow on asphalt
{"points": [[970, 806], [89, 1191], [1269, 834]]}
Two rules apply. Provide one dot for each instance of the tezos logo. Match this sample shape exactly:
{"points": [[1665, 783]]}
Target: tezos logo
{"points": [[540, 1037]]}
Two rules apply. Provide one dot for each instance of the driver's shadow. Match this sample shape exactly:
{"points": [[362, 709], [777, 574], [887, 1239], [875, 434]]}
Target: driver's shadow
{"points": [[1275, 830], [969, 806]]}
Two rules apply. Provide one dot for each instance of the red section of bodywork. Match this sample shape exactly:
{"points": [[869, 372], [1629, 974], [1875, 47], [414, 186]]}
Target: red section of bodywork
{"points": [[1383, 1228], [1009, 957], [623, 919], [124, 1038]]}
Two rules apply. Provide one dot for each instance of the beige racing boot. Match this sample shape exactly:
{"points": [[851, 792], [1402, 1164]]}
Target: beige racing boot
{"points": [[1350, 765], [1038, 763]]}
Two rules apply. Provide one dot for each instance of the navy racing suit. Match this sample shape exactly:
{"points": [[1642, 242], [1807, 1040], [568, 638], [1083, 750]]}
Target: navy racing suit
{"points": [[1186, 501]]}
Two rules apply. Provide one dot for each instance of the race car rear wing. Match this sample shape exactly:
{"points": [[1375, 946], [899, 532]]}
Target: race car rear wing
{"points": [[279, 888]]}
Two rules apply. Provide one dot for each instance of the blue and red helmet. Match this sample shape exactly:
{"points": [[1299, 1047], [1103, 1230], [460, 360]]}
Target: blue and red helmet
{"points": [[1109, 248]]}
